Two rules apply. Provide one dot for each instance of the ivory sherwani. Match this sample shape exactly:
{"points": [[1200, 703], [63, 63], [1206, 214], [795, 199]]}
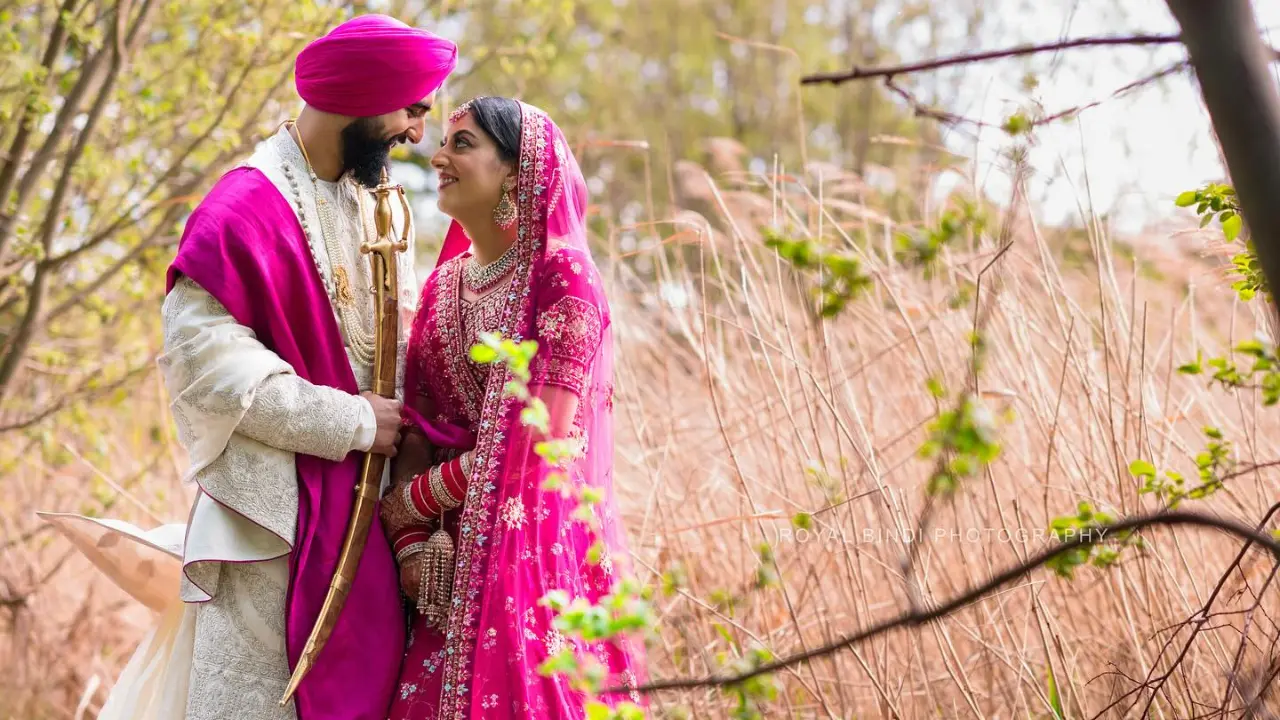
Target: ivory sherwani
{"points": [[245, 416]]}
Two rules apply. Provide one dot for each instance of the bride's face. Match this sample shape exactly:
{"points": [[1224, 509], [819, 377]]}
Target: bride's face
{"points": [[470, 171]]}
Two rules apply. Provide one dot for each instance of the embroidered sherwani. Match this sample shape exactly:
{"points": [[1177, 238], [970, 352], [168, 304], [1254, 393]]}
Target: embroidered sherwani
{"points": [[244, 416]]}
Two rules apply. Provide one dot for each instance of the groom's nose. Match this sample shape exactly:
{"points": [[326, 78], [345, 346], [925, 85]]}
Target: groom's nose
{"points": [[417, 128]]}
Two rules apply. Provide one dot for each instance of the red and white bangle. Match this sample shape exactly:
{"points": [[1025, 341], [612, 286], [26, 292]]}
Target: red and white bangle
{"points": [[439, 490], [408, 542], [409, 502]]}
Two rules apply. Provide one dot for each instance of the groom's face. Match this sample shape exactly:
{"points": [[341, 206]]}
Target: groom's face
{"points": [[367, 141]]}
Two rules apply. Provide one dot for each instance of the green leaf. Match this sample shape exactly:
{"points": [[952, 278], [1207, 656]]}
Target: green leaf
{"points": [[1055, 701], [1231, 227], [1186, 199], [1142, 468], [483, 354]]}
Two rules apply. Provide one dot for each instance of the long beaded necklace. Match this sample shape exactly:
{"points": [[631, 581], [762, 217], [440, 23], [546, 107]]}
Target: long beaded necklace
{"points": [[480, 278], [359, 338]]}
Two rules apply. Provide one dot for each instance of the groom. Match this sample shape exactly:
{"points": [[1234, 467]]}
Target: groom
{"points": [[269, 334]]}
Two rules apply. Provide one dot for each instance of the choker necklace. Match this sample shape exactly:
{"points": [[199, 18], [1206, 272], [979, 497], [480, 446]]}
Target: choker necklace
{"points": [[480, 278]]}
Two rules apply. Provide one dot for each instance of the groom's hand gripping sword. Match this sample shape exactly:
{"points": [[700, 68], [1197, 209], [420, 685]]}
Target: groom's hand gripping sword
{"points": [[382, 258]]}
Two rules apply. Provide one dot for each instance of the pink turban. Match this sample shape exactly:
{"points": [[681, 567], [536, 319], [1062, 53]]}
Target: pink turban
{"points": [[371, 65]]}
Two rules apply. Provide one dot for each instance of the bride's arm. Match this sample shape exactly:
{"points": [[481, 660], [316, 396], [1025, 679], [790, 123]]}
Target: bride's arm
{"points": [[414, 455]]}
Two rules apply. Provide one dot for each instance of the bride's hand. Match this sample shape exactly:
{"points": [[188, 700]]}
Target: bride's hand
{"points": [[395, 512], [411, 574]]}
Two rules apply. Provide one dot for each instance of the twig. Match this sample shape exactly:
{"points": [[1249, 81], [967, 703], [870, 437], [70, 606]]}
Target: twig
{"points": [[921, 109], [914, 619], [73, 395], [1198, 620], [860, 73]]}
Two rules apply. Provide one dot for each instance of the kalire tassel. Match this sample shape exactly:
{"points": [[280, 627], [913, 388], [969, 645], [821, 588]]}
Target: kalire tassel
{"points": [[436, 587]]}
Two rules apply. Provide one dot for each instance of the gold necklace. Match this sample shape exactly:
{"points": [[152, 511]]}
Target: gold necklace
{"points": [[359, 338]]}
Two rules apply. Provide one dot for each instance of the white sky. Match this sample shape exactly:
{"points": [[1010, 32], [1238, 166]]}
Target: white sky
{"points": [[1139, 151]]}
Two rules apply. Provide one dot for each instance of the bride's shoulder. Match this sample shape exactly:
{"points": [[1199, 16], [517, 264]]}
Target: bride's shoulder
{"points": [[561, 255], [569, 270], [450, 265]]}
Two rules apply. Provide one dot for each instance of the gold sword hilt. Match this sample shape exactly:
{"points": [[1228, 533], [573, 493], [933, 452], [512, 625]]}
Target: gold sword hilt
{"points": [[385, 274]]}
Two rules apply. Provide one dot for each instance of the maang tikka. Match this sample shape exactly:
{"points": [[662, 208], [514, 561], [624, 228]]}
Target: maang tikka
{"points": [[505, 213]]}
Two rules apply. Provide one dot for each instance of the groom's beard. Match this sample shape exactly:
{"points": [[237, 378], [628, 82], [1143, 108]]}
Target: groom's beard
{"points": [[364, 152]]}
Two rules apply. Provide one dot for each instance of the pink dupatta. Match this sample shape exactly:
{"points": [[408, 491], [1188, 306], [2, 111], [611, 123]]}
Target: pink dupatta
{"points": [[516, 541]]}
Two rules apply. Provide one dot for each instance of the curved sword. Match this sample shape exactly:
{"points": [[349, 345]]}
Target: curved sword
{"points": [[386, 283]]}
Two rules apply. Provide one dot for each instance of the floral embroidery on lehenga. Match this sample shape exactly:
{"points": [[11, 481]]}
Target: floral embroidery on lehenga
{"points": [[512, 513]]}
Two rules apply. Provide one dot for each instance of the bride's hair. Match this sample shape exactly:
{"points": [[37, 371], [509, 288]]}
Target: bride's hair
{"points": [[499, 118]]}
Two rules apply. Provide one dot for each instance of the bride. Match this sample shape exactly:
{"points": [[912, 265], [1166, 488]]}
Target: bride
{"points": [[518, 198]]}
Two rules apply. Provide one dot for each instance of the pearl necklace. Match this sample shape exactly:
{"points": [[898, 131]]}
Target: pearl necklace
{"points": [[359, 338], [480, 278]]}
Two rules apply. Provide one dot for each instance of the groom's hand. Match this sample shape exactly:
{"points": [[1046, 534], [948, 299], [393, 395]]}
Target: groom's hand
{"points": [[387, 411]]}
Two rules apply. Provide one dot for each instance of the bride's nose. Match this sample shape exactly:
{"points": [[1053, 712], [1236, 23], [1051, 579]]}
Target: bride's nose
{"points": [[438, 160]]}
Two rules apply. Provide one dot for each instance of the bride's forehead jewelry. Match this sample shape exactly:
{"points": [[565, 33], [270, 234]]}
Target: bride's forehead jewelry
{"points": [[461, 110]]}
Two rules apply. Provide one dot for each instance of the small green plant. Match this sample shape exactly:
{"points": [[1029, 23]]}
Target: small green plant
{"points": [[1019, 123], [964, 438], [1263, 374], [751, 692], [1216, 200], [1102, 549], [1213, 465], [842, 276], [923, 249]]}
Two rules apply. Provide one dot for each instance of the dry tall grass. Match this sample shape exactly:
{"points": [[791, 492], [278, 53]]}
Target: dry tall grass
{"points": [[738, 409]]}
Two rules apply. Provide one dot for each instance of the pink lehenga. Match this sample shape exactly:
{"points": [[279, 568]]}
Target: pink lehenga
{"points": [[515, 541]]}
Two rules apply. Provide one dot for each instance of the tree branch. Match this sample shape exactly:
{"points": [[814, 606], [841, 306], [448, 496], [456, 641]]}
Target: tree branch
{"points": [[1198, 621], [1087, 538], [18, 148], [89, 391], [17, 345], [860, 73]]}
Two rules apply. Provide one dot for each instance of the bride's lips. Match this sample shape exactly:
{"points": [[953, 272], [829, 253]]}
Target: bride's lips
{"points": [[447, 180]]}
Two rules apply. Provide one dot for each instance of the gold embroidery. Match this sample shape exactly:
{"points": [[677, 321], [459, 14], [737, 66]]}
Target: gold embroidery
{"points": [[342, 286]]}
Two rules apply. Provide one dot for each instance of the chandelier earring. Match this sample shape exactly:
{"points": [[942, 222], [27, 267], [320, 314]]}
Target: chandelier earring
{"points": [[505, 212]]}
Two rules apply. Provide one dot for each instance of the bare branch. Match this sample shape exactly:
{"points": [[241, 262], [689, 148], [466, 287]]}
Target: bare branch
{"points": [[860, 73], [1198, 621], [84, 390], [917, 618], [61, 125]]}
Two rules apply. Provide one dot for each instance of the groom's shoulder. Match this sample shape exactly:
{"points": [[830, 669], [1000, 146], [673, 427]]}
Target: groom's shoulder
{"points": [[243, 196], [242, 221]]}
